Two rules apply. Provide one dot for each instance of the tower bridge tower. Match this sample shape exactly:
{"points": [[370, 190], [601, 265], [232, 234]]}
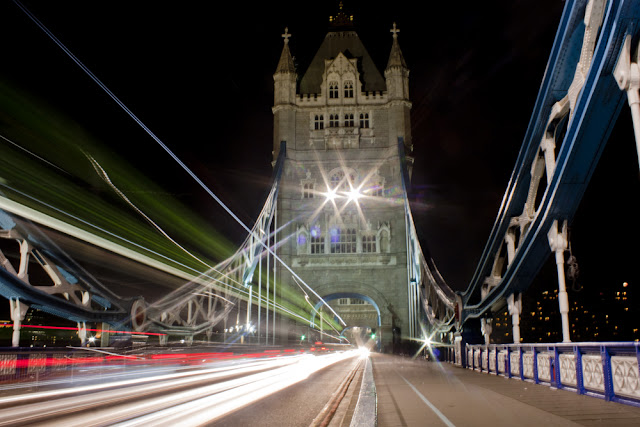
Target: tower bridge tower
{"points": [[341, 200]]}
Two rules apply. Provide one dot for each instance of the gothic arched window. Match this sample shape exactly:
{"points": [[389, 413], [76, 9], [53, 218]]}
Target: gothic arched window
{"points": [[316, 240], [369, 243], [342, 179], [319, 122], [307, 190], [336, 180], [333, 90], [333, 121], [348, 89], [364, 120], [348, 120], [343, 240], [376, 188], [341, 182]]}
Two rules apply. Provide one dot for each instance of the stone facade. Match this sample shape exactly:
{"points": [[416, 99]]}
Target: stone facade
{"points": [[341, 199]]}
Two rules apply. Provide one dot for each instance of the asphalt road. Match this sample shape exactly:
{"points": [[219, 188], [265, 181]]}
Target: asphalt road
{"points": [[297, 405], [278, 390]]}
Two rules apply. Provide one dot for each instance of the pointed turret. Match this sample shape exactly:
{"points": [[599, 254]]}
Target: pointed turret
{"points": [[397, 79], [284, 97], [285, 75], [397, 73]]}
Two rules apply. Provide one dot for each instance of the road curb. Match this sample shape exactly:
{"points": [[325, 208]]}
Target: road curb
{"points": [[366, 411]]}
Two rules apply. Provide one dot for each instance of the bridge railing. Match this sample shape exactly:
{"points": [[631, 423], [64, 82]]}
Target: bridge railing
{"points": [[608, 370]]}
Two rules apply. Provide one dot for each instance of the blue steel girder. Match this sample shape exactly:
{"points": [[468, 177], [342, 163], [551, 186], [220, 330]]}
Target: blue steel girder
{"points": [[69, 296], [592, 119], [187, 310], [13, 288]]}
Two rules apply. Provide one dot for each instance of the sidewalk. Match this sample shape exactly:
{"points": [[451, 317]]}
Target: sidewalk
{"points": [[419, 393]]}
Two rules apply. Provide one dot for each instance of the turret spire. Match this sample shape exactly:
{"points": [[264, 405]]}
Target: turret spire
{"points": [[286, 65], [395, 58]]}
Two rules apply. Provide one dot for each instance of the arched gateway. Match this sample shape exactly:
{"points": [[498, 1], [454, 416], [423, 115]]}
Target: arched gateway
{"points": [[341, 201]]}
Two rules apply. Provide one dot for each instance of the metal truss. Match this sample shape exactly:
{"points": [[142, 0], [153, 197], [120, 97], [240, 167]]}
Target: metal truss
{"points": [[202, 302], [577, 106]]}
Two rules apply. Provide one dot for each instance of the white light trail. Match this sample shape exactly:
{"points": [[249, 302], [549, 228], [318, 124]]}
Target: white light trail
{"points": [[210, 408], [105, 177], [166, 149], [165, 380], [33, 154]]}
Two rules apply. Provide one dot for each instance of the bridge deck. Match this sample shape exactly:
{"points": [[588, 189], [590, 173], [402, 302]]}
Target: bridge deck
{"points": [[447, 395]]}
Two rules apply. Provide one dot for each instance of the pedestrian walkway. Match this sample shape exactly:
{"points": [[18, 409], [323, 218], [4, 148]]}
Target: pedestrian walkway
{"points": [[420, 393]]}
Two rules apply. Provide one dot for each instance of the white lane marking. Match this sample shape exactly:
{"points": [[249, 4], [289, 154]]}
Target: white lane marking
{"points": [[429, 404]]}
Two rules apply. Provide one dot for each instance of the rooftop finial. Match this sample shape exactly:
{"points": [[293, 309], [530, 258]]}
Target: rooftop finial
{"points": [[286, 35], [395, 31], [341, 19]]}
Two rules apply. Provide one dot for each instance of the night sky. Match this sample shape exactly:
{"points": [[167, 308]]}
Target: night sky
{"points": [[199, 75]]}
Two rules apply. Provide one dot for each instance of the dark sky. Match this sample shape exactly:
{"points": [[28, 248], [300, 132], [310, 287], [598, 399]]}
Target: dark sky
{"points": [[199, 75]]}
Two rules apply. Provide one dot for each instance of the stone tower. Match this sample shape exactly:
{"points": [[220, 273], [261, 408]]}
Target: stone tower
{"points": [[341, 200]]}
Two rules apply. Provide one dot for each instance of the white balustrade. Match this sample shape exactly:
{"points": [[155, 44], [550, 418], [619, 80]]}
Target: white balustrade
{"points": [[527, 364], [8, 364], [502, 361], [544, 366], [625, 368], [568, 370], [592, 374], [625, 376], [515, 363], [37, 363]]}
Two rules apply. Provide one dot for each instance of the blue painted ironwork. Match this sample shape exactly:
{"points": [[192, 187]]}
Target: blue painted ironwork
{"points": [[587, 131], [605, 382], [99, 304]]}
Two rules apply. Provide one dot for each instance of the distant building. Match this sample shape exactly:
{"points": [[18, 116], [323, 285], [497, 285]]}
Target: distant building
{"points": [[341, 197], [606, 314]]}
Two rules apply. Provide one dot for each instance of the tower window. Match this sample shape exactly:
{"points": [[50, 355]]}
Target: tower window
{"points": [[369, 243], [333, 90], [348, 89], [341, 182], [336, 180], [316, 241], [343, 241], [319, 122], [364, 120], [307, 190], [377, 189], [348, 120]]}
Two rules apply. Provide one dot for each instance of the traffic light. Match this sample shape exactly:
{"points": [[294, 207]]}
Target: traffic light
{"points": [[373, 334], [302, 338]]}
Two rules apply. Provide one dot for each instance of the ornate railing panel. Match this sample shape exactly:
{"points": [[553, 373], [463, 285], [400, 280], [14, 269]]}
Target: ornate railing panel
{"points": [[527, 364], [626, 381], [544, 366], [607, 370]]}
